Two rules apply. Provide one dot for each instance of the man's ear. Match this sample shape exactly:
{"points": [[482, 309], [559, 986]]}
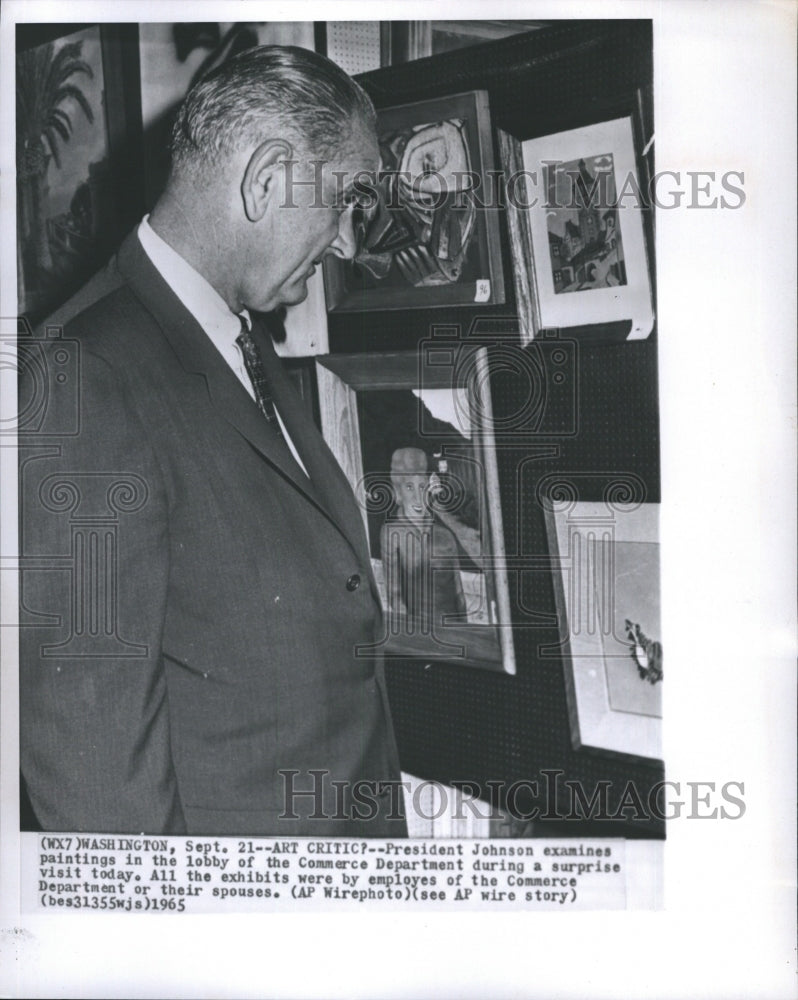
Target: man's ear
{"points": [[260, 177]]}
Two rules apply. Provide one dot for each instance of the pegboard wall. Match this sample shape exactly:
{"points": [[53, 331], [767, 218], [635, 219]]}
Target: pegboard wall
{"points": [[461, 724], [354, 45]]}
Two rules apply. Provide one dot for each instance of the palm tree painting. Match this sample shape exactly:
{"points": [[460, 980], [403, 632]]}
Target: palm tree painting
{"points": [[50, 97]]}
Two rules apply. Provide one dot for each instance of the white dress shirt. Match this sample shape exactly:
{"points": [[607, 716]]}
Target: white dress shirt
{"points": [[207, 307]]}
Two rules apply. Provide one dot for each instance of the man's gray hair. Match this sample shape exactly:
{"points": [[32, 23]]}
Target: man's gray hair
{"points": [[267, 92]]}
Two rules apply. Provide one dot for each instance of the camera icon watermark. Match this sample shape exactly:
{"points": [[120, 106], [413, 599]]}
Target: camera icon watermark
{"points": [[47, 365], [521, 392]]}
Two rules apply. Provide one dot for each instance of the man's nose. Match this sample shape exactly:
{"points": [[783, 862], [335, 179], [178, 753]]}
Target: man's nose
{"points": [[345, 243]]}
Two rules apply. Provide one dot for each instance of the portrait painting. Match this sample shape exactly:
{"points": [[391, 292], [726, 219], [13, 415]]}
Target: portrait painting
{"points": [[417, 447]]}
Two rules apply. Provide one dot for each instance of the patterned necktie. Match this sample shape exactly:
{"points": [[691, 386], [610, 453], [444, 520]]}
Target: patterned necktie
{"points": [[257, 375]]}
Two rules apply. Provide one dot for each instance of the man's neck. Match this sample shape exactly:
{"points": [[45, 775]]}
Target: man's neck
{"points": [[184, 229]]}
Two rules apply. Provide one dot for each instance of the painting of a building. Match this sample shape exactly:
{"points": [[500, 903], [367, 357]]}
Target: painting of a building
{"points": [[585, 247]]}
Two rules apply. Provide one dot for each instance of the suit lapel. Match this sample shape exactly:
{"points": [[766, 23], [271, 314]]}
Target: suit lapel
{"points": [[329, 492], [326, 474]]}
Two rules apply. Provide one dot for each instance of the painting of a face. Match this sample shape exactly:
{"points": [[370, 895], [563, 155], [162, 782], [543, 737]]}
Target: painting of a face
{"points": [[422, 239], [411, 495]]}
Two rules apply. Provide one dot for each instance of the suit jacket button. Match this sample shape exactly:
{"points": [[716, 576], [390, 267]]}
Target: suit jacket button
{"points": [[353, 582]]}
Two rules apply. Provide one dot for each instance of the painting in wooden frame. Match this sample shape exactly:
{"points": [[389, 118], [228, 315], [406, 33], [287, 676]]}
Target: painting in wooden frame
{"points": [[578, 242], [415, 439], [424, 238], [607, 590]]}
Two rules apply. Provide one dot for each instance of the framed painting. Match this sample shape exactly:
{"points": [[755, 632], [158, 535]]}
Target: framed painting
{"points": [[574, 208], [78, 155], [414, 436], [606, 579], [424, 237]]}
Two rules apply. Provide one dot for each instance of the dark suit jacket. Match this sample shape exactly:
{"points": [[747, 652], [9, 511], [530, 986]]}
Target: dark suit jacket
{"points": [[195, 610]]}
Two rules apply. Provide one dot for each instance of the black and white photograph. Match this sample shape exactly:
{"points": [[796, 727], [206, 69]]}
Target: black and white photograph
{"points": [[373, 421], [192, 530]]}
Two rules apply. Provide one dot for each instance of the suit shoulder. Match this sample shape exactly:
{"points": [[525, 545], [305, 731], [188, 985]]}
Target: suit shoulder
{"points": [[105, 281], [110, 319], [116, 329], [85, 363]]}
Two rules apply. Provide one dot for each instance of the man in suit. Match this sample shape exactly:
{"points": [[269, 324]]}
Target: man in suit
{"points": [[199, 616]]}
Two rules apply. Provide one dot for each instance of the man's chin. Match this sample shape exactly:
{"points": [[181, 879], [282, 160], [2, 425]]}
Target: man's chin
{"points": [[293, 294]]}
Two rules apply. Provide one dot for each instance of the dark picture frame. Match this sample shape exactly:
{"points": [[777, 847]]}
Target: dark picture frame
{"points": [[413, 257], [373, 405]]}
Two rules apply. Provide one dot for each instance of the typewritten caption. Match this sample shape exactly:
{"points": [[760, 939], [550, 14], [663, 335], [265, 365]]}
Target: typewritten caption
{"points": [[142, 874]]}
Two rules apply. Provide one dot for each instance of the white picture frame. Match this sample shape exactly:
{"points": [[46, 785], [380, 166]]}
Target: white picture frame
{"points": [[606, 571], [565, 193]]}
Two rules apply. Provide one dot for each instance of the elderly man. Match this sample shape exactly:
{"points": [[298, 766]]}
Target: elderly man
{"points": [[199, 612]]}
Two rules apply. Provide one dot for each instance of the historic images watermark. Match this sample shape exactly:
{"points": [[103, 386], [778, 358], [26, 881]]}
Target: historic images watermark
{"points": [[496, 189], [544, 797]]}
